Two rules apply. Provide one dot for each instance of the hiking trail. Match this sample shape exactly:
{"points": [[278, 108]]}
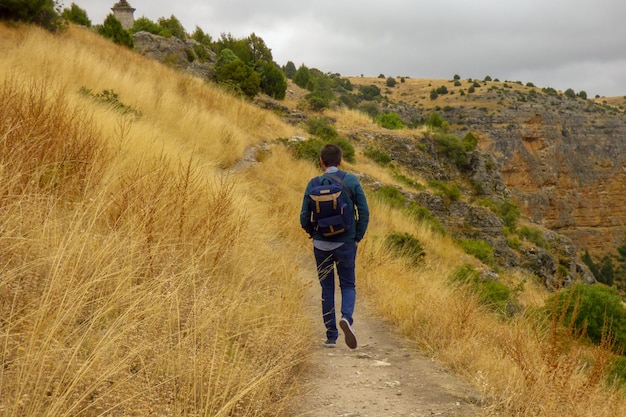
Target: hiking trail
{"points": [[384, 376]]}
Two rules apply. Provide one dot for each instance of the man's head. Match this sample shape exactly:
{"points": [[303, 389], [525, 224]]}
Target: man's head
{"points": [[330, 156]]}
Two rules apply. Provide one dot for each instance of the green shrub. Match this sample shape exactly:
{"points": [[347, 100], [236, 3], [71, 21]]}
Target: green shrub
{"points": [[201, 52], [470, 142], [76, 15], [406, 180], [202, 38], [302, 77], [146, 25], [112, 29], [230, 70], [453, 148], [273, 81], [308, 149], [422, 214], [509, 213], [391, 121], [369, 108], [379, 156], [39, 12], [369, 92], [492, 293], [594, 310], [617, 373], [348, 151], [322, 128], [534, 236], [110, 98], [173, 26], [391, 195], [289, 69], [407, 245], [478, 248], [513, 241], [451, 192], [317, 103]]}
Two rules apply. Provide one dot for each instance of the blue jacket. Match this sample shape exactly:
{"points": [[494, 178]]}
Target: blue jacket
{"points": [[357, 229]]}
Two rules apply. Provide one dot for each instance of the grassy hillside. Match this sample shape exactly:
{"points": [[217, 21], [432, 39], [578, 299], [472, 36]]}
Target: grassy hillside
{"points": [[146, 272]]}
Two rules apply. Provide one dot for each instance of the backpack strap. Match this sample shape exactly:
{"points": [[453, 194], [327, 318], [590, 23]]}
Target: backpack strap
{"points": [[340, 181]]}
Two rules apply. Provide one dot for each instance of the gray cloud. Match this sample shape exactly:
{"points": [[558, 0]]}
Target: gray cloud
{"points": [[558, 43]]}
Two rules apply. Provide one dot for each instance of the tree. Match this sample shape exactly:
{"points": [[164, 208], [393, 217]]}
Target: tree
{"points": [[289, 69], [273, 81], [232, 71], [226, 56], [570, 93], [40, 12], [302, 76], [238, 46], [201, 37], [391, 82], [259, 51], [607, 271], [146, 25], [76, 15], [369, 92], [587, 260], [173, 26], [112, 29]]}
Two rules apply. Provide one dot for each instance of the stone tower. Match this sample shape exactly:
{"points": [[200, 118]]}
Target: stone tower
{"points": [[124, 13]]}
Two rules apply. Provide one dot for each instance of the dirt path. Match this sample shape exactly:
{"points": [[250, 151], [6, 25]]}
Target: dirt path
{"points": [[384, 376]]}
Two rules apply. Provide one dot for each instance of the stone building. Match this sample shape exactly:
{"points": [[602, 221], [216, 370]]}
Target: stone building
{"points": [[124, 13]]}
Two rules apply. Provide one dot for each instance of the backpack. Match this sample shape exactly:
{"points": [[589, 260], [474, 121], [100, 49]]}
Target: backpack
{"points": [[330, 213]]}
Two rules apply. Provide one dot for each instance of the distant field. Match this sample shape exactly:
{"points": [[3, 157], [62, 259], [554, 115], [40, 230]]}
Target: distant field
{"points": [[416, 91]]}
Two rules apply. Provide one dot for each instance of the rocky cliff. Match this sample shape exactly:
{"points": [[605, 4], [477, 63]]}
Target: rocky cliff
{"points": [[564, 161], [562, 157]]}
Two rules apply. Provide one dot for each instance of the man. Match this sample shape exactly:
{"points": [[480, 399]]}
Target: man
{"points": [[337, 249]]}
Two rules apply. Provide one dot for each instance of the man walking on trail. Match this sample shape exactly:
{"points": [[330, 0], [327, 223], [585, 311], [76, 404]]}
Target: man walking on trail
{"points": [[335, 214]]}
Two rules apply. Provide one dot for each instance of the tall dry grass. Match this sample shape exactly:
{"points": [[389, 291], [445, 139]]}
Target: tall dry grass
{"points": [[525, 366], [139, 277], [135, 280]]}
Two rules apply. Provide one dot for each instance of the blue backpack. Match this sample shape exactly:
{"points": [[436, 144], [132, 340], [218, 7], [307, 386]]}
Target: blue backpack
{"points": [[329, 202]]}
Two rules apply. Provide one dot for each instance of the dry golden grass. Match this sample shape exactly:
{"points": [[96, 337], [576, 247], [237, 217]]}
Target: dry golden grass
{"points": [[416, 91], [141, 277], [127, 284]]}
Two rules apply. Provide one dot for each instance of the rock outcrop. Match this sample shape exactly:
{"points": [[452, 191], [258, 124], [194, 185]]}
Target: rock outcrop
{"points": [[189, 55], [564, 161]]}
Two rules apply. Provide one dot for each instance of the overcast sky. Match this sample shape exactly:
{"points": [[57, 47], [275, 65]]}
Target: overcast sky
{"points": [[578, 44]]}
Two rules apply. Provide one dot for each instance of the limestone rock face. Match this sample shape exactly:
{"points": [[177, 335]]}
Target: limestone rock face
{"points": [[179, 54], [564, 161]]}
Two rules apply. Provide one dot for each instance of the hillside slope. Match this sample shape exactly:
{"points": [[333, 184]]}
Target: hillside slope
{"points": [[563, 158], [148, 268]]}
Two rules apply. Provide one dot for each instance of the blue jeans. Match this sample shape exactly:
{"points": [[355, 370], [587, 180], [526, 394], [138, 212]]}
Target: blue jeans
{"points": [[344, 259]]}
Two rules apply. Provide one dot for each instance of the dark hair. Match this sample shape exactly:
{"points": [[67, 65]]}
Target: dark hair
{"points": [[331, 155]]}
